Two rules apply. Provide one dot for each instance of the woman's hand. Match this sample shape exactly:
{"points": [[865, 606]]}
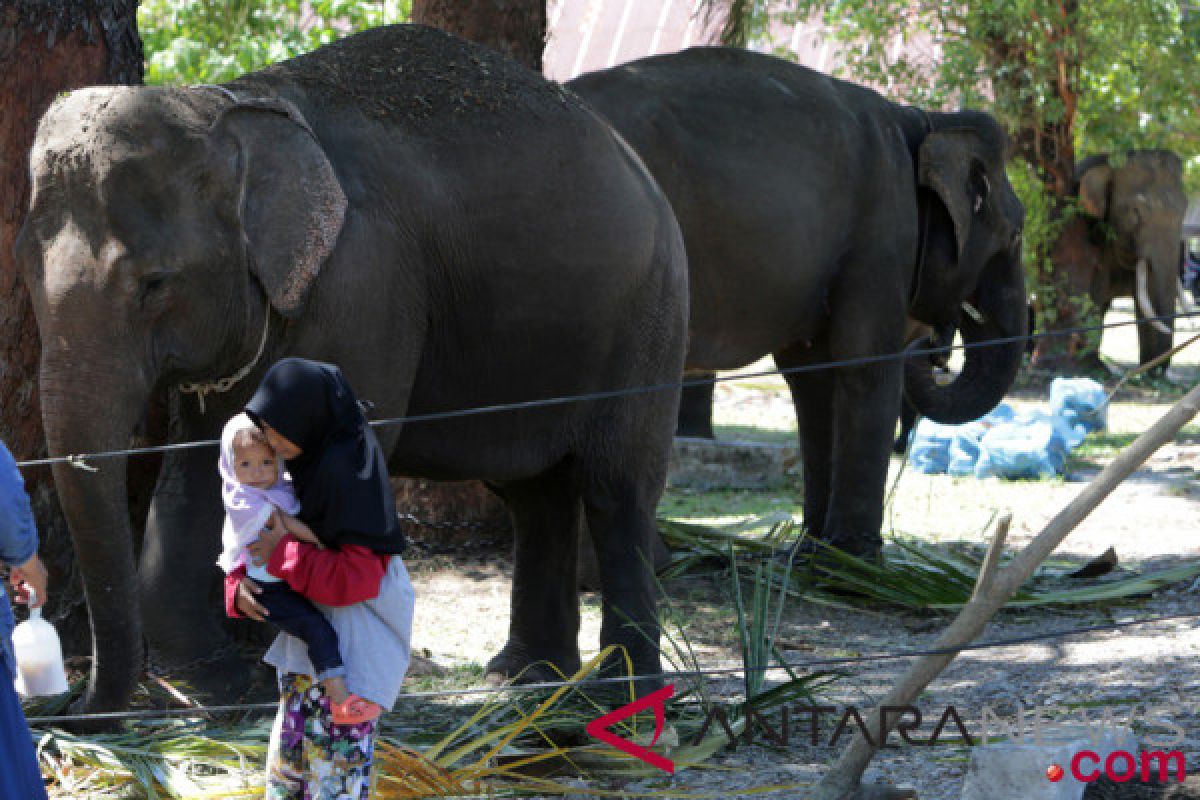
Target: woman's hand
{"points": [[30, 575], [247, 603], [260, 550]]}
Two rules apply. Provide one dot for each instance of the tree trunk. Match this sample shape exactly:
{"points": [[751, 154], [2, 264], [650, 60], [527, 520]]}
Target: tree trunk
{"points": [[1074, 269], [1043, 136], [516, 28], [45, 49]]}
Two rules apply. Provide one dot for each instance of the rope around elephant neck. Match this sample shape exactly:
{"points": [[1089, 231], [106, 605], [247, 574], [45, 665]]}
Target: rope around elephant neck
{"points": [[222, 385]]}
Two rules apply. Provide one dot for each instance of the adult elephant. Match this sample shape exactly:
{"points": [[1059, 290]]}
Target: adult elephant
{"points": [[818, 218], [1126, 243], [447, 226]]}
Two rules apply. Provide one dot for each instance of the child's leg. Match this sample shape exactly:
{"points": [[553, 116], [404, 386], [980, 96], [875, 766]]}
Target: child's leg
{"points": [[294, 614], [335, 688]]}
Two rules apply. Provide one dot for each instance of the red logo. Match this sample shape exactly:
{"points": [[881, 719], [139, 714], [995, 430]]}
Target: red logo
{"points": [[656, 700], [1122, 766], [1055, 773]]}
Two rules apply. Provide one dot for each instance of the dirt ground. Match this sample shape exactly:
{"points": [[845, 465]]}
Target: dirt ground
{"points": [[462, 600]]}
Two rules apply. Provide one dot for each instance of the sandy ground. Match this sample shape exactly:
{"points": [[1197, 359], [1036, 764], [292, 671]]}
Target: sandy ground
{"points": [[1150, 520]]}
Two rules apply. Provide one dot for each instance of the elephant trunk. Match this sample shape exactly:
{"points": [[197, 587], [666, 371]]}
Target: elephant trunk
{"points": [[998, 312], [77, 420]]}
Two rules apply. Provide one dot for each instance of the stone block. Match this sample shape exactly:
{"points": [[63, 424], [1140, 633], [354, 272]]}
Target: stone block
{"points": [[1016, 769], [705, 464]]}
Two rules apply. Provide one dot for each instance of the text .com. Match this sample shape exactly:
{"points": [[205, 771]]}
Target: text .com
{"points": [[1121, 766]]}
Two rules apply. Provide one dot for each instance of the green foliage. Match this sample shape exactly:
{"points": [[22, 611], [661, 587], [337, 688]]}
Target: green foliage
{"points": [[913, 573], [746, 21], [209, 41], [1042, 227], [1122, 71]]}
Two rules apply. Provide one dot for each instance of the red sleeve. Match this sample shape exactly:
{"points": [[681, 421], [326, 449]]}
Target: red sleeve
{"points": [[330, 577], [232, 581]]}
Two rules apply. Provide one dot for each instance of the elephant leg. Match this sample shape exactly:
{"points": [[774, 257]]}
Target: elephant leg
{"points": [[812, 395], [620, 507], [544, 622], [908, 421], [1152, 342], [865, 400], [178, 576], [696, 407]]}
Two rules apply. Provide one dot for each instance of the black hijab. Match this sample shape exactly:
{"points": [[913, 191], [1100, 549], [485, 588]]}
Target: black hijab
{"points": [[341, 476]]}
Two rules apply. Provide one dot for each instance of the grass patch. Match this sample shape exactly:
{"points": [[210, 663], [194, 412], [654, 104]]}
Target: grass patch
{"points": [[727, 505]]}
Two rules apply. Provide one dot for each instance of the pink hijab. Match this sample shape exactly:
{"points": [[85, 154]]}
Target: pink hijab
{"points": [[247, 509]]}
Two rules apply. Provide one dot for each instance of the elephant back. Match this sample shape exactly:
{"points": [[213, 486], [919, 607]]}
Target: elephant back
{"points": [[425, 81]]}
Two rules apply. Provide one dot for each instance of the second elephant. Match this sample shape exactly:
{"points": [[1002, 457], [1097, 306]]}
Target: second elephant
{"points": [[1126, 242], [818, 217]]}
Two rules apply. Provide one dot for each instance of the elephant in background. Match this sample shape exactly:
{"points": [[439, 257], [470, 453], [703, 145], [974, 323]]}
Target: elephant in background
{"points": [[818, 218], [1126, 242], [448, 227]]}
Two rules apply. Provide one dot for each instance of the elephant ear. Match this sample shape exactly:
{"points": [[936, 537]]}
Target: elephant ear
{"points": [[944, 165], [289, 202], [1093, 190]]}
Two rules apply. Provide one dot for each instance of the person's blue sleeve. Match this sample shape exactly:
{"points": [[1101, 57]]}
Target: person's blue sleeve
{"points": [[18, 532]]}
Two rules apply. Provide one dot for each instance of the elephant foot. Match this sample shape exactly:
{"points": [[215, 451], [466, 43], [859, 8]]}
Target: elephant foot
{"points": [[90, 704], [865, 546], [224, 676], [515, 664], [612, 686]]}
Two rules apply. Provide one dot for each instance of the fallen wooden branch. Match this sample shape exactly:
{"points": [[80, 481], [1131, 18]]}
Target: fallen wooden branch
{"points": [[994, 588]]}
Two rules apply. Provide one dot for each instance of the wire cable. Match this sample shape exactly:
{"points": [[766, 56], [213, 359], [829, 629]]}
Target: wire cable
{"points": [[113, 716], [79, 460]]}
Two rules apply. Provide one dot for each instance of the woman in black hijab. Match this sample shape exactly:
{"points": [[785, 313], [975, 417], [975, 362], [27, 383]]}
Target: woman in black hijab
{"points": [[313, 420]]}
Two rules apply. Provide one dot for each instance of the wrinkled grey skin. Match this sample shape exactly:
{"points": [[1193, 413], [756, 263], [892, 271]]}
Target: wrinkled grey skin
{"points": [[467, 255], [802, 201], [1135, 213]]}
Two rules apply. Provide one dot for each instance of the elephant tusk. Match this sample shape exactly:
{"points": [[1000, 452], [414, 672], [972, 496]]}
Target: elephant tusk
{"points": [[1143, 297], [1184, 303], [973, 312]]}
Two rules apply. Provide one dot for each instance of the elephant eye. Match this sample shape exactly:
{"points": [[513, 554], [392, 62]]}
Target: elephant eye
{"points": [[153, 282]]}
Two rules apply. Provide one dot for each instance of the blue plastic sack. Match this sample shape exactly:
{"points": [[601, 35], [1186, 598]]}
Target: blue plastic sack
{"points": [[1081, 402], [938, 448], [930, 449], [1033, 445], [964, 448]]}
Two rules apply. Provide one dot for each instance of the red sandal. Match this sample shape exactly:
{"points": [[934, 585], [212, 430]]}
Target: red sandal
{"points": [[354, 711]]}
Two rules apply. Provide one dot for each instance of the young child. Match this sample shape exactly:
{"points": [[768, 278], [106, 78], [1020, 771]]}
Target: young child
{"points": [[257, 495]]}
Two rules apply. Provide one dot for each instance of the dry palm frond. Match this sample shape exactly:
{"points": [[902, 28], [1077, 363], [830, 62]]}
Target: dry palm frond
{"points": [[173, 761]]}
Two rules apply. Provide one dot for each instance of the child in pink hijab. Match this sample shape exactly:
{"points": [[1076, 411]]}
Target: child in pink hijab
{"points": [[258, 494]]}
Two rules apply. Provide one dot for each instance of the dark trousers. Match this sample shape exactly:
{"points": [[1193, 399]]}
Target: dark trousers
{"points": [[19, 775], [295, 614]]}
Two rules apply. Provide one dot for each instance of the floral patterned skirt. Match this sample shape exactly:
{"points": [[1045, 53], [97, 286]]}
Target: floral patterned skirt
{"points": [[310, 758]]}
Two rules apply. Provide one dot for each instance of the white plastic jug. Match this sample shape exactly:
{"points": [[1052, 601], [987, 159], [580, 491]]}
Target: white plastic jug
{"points": [[40, 669]]}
